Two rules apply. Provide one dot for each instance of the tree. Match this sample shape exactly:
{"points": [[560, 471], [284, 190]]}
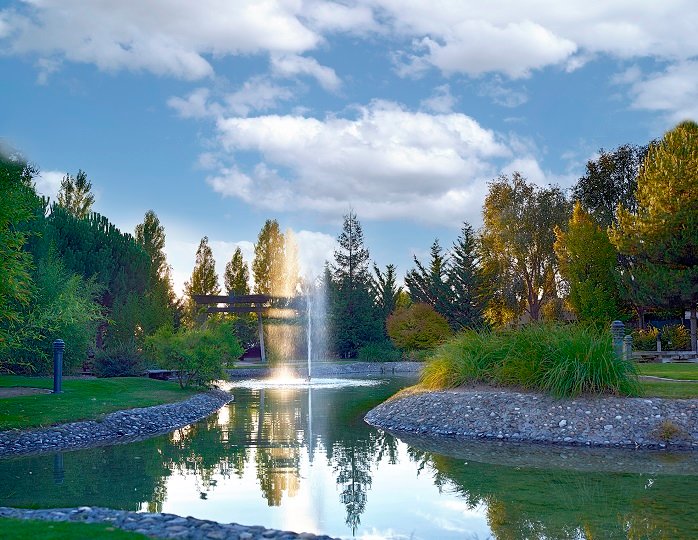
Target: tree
{"points": [[610, 180], [516, 247], [662, 234], [418, 327], [353, 318], [385, 290], [74, 194], [465, 282], [204, 279], [17, 205], [268, 263], [430, 285], [588, 262], [237, 276]]}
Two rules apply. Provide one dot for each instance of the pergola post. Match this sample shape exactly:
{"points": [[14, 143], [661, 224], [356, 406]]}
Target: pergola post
{"points": [[260, 326]]}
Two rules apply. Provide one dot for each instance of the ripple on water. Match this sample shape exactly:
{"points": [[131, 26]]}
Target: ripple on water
{"points": [[297, 382]]}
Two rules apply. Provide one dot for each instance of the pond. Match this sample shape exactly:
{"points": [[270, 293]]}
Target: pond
{"points": [[302, 459]]}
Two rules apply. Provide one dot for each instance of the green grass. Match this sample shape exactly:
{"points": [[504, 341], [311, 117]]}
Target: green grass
{"points": [[82, 399], [668, 389], [682, 372], [563, 360], [20, 529]]}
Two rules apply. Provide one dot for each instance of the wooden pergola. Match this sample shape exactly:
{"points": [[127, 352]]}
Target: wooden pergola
{"points": [[261, 304]]}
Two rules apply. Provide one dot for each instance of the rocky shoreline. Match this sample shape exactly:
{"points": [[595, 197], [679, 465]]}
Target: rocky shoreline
{"points": [[158, 525], [333, 370], [117, 427], [503, 415]]}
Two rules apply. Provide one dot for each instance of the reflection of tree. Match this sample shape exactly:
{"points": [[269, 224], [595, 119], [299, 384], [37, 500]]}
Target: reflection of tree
{"points": [[277, 454], [547, 503], [353, 468]]}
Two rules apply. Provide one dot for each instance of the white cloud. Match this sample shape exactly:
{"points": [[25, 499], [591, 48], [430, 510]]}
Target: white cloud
{"points": [[195, 105], [387, 162], [165, 38], [673, 92], [314, 248], [501, 94], [292, 65], [48, 183], [441, 101]]}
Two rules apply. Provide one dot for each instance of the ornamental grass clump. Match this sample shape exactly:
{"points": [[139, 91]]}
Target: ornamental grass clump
{"points": [[563, 360]]}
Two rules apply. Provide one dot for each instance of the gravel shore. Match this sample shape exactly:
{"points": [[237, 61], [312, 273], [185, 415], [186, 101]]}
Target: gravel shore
{"points": [[495, 414], [157, 525], [117, 427]]}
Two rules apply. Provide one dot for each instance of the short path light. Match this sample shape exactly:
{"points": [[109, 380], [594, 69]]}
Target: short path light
{"points": [[58, 348], [618, 331]]}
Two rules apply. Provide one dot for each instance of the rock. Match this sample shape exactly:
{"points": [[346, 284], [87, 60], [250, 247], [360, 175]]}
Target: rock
{"points": [[562, 423]]}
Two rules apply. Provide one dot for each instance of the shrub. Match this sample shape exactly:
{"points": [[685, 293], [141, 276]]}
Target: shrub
{"points": [[198, 355], [119, 360], [381, 351], [675, 337], [417, 327], [562, 360]]}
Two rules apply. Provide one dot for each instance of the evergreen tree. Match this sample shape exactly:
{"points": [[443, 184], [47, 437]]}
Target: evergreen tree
{"points": [[430, 285], [662, 235], [268, 263], [465, 282], [237, 275], [385, 291], [75, 196], [588, 262], [354, 321], [204, 280]]}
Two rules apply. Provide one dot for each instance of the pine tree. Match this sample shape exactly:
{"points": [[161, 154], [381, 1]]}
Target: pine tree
{"points": [[204, 279], [662, 235], [385, 291], [353, 318], [430, 285], [75, 196], [465, 282], [237, 275]]}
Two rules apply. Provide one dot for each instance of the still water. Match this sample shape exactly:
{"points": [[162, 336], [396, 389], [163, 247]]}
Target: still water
{"points": [[303, 459]]}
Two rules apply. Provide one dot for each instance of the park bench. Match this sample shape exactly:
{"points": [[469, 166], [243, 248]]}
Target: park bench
{"points": [[665, 357], [161, 374]]}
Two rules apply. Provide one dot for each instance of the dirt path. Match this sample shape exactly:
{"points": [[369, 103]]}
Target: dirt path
{"points": [[15, 391]]}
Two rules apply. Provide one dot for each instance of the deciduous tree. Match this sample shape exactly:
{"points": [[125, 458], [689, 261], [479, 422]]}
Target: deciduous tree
{"points": [[204, 279], [237, 275]]}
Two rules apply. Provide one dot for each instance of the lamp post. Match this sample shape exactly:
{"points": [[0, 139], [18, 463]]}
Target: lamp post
{"points": [[58, 348]]}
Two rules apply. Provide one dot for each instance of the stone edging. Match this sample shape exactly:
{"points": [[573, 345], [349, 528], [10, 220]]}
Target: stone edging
{"points": [[117, 427], [527, 417], [331, 370], [158, 525]]}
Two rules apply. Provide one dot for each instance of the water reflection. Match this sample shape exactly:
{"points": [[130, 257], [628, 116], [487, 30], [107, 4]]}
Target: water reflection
{"points": [[303, 459]]}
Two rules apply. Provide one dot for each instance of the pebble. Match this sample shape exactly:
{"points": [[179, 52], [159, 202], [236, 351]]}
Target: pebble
{"points": [[497, 414], [121, 426], [158, 525]]}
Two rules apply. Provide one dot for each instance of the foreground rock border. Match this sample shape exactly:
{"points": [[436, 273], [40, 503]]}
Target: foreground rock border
{"points": [[329, 369], [490, 413], [158, 525], [115, 428]]}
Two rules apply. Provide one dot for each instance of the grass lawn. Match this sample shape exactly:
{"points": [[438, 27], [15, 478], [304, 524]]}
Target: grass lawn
{"points": [[20, 529], [82, 399], [670, 371], [668, 389]]}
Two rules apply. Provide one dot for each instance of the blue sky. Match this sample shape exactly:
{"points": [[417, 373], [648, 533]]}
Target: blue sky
{"points": [[220, 114]]}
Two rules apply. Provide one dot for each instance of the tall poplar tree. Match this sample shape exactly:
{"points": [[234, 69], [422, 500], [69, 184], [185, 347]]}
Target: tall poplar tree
{"points": [[75, 194], [237, 275], [268, 263], [662, 235], [204, 279]]}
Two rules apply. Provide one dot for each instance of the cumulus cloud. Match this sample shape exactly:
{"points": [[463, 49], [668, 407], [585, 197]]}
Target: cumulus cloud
{"points": [[166, 38], [48, 183], [441, 100], [292, 65], [673, 91], [387, 161]]}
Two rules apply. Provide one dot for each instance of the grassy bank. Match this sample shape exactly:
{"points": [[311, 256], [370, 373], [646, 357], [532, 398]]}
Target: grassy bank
{"points": [[683, 372], [20, 529], [563, 360], [82, 399]]}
